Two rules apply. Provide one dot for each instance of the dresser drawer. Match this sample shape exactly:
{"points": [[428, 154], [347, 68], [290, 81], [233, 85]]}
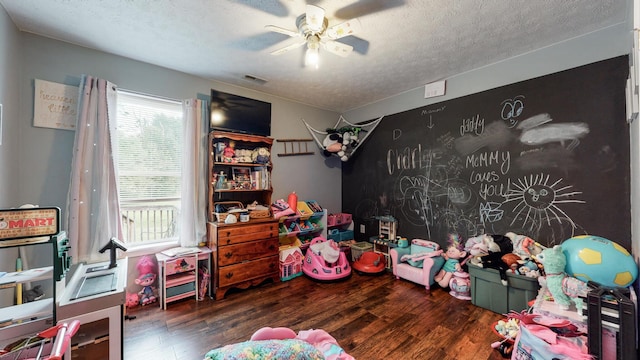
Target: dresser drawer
{"points": [[179, 265], [249, 270], [231, 254], [239, 234]]}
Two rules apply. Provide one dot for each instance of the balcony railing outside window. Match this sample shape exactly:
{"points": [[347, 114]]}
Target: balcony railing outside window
{"points": [[148, 223]]}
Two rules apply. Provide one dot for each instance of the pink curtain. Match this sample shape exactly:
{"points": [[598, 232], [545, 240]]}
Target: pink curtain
{"points": [[93, 214]]}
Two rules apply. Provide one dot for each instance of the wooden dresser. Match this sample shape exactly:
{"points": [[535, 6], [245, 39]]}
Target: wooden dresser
{"points": [[245, 254]]}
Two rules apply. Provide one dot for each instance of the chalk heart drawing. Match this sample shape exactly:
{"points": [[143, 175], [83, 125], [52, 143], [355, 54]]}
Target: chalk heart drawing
{"points": [[538, 200]]}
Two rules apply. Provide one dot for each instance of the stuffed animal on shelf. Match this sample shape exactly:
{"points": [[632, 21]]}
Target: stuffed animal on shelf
{"points": [[260, 155], [555, 279], [243, 155], [32, 294], [452, 256], [147, 275]]}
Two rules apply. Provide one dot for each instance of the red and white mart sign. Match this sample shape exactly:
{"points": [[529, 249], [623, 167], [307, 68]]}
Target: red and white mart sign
{"points": [[22, 223]]}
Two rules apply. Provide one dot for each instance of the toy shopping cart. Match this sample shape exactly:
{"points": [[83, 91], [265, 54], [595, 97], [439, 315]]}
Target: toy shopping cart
{"points": [[53, 341]]}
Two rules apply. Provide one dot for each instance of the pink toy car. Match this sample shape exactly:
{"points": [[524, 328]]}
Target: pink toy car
{"points": [[325, 261]]}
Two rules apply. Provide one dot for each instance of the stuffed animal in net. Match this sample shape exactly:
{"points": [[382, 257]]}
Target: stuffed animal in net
{"points": [[564, 288], [341, 142], [455, 252], [147, 275]]}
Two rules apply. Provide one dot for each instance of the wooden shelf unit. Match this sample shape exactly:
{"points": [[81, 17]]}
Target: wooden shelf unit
{"points": [[260, 192]]}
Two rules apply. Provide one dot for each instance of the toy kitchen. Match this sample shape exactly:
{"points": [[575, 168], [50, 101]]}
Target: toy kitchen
{"points": [[41, 289]]}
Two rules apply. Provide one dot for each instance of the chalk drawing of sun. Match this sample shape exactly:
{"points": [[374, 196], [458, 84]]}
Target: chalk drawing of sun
{"points": [[538, 200]]}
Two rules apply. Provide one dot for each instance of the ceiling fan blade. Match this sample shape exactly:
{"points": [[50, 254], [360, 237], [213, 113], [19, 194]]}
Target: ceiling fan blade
{"points": [[361, 46], [346, 28], [288, 48], [284, 31], [273, 7], [337, 48], [366, 7], [315, 17]]}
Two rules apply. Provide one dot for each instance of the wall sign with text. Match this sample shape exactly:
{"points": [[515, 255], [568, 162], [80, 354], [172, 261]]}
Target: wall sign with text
{"points": [[55, 105]]}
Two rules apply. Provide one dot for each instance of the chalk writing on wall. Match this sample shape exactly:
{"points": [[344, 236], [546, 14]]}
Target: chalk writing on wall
{"points": [[55, 105], [546, 157]]}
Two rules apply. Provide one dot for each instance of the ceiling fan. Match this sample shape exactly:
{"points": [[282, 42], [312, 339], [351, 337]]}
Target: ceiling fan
{"points": [[314, 31]]}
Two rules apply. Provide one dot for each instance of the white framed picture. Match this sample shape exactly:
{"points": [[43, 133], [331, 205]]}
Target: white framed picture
{"points": [[55, 105]]}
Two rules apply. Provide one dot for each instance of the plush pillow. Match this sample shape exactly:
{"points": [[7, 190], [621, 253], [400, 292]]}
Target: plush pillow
{"points": [[267, 349], [419, 246]]}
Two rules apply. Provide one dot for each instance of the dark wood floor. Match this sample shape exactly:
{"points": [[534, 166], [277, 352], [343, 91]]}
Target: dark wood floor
{"points": [[372, 317]]}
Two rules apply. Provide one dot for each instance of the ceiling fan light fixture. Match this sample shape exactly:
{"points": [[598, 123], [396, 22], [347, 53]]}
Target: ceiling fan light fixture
{"points": [[312, 58]]}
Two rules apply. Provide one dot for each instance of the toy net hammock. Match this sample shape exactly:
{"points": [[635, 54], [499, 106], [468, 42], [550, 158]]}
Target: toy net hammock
{"points": [[342, 126]]}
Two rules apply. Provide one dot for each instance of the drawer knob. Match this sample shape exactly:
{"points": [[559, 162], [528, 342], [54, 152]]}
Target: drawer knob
{"points": [[229, 275], [228, 241], [272, 247], [228, 255]]}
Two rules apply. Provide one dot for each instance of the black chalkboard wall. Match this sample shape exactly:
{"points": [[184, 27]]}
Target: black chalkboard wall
{"points": [[546, 157]]}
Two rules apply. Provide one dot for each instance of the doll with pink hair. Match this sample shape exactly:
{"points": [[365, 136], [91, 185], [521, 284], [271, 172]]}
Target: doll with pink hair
{"points": [[147, 275], [453, 256]]}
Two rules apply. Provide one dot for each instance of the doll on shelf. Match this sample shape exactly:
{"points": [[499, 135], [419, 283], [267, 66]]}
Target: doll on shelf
{"points": [[229, 153]]}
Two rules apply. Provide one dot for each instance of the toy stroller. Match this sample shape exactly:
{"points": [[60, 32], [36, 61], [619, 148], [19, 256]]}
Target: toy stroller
{"points": [[33, 347]]}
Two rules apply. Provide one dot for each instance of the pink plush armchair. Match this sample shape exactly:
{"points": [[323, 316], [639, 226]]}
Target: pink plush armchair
{"points": [[418, 263]]}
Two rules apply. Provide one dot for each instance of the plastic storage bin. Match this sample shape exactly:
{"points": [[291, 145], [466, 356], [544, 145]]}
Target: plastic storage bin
{"points": [[341, 235], [488, 292], [345, 218], [358, 248]]}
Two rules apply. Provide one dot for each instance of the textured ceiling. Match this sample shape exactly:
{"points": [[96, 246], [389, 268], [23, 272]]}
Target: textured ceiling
{"points": [[403, 44]]}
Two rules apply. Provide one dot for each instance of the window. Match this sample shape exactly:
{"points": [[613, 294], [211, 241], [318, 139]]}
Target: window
{"points": [[149, 147]]}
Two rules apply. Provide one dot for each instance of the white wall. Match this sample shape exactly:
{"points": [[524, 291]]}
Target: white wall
{"points": [[9, 83], [9, 98], [46, 153]]}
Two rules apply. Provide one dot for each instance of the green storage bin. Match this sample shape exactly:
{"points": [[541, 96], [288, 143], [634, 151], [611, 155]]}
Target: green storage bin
{"points": [[488, 292]]}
